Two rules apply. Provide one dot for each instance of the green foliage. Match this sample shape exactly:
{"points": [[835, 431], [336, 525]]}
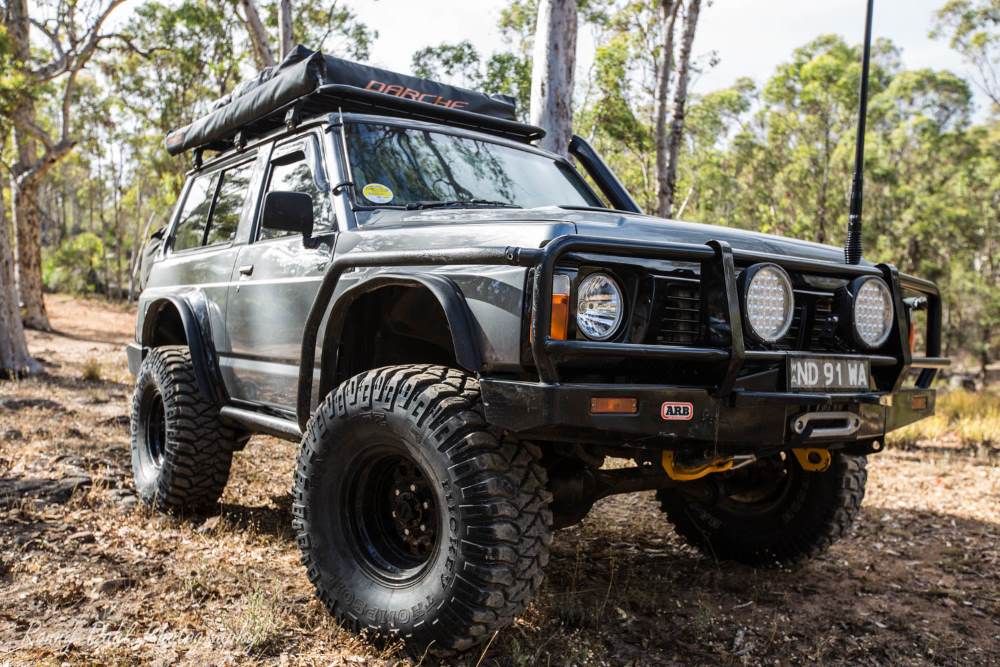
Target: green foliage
{"points": [[325, 25], [13, 82], [461, 64], [972, 28], [75, 265], [778, 158]]}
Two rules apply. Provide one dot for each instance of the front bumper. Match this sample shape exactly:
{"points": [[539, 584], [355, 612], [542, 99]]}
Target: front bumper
{"points": [[741, 421]]}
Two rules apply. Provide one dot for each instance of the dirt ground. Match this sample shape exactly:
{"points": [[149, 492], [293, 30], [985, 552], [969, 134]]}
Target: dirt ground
{"points": [[89, 577]]}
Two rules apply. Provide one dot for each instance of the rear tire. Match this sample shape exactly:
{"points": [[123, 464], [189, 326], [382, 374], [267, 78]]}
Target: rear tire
{"points": [[414, 520], [181, 451], [772, 512]]}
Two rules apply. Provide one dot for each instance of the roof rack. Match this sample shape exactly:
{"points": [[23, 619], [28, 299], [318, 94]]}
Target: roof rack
{"points": [[308, 84]]}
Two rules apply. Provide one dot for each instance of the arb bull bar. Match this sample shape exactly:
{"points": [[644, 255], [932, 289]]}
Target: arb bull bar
{"points": [[722, 414]]}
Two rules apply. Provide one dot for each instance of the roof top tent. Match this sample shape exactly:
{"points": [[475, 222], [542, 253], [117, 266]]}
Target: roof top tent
{"points": [[308, 83]]}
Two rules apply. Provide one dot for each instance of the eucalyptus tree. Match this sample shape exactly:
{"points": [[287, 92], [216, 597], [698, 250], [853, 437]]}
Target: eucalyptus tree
{"points": [[72, 32], [972, 28], [552, 73], [14, 357]]}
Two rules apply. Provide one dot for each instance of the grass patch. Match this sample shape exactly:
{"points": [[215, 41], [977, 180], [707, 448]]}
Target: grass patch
{"points": [[970, 418], [91, 370], [258, 624]]}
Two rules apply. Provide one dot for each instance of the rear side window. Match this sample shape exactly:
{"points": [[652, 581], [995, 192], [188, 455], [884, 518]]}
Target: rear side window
{"points": [[190, 231], [229, 204], [213, 207]]}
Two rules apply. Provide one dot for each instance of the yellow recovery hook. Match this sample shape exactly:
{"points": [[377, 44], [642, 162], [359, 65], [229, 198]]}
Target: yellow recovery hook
{"points": [[812, 459], [683, 473]]}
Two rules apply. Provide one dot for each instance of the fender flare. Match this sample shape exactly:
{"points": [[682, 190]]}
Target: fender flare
{"points": [[193, 309], [461, 324]]}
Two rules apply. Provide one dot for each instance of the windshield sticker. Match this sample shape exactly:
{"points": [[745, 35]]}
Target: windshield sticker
{"points": [[378, 193]]}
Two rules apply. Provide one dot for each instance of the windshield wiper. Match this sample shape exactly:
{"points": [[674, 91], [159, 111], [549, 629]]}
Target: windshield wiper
{"points": [[458, 203]]}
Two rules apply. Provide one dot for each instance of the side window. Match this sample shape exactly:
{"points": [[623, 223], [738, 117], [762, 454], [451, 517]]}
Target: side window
{"points": [[190, 230], [292, 172], [229, 203]]}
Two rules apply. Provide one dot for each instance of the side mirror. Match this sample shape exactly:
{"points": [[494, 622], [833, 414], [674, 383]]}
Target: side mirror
{"points": [[288, 212]]}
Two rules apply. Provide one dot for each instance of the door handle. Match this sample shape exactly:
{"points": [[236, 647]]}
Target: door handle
{"points": [[246, 269]]}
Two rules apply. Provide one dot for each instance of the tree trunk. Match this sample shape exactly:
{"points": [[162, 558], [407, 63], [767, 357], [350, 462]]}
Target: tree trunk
{"points": [[680, 100], [24, 184], [15, 360], [668, 17], [552, 73], [27, 222], [259, 40], [285, 35]]}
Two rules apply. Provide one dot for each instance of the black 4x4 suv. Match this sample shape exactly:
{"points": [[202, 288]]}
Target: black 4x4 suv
{"points": [[460, 329]]}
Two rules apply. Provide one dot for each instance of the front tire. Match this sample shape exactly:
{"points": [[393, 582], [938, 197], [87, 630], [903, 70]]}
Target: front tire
{"points": [[181, 451], [414, 520], [771, 512]]}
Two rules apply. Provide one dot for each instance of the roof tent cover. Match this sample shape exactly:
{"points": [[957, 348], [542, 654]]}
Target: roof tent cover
{"points": [[302, 73]]}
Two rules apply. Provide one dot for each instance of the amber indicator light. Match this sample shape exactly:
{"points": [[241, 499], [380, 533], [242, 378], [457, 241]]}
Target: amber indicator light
{"points": [[918, 403], [619, 406]]}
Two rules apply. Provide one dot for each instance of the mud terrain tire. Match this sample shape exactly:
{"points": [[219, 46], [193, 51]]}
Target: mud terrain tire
{"points": [[809, 512], [181, 451], [414, 519]]}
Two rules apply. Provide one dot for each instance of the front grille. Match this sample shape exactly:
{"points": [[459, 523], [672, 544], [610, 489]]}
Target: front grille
{"points": [[679, 321], [823, 332]]}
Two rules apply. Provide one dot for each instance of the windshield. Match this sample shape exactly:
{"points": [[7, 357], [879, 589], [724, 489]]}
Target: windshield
{"points": [[417, 168]]}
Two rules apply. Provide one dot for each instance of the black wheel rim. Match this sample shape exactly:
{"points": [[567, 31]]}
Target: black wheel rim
{"points": [[155, 436], [759, 488], [392, 511]]}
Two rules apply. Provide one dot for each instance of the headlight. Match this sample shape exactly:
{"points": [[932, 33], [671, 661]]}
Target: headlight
{"points": [[599, 306], [872, 312], [768, 301]]}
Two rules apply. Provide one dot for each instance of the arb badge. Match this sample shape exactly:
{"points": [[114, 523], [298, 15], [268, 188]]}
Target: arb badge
{"points": [[679, 412]]}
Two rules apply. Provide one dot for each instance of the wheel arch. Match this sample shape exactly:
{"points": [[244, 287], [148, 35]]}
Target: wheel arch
{"points": [[449, 316], [183, 319]]}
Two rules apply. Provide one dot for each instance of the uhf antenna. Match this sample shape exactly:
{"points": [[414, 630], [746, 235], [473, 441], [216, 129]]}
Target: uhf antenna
{"points": [[852, 246]]}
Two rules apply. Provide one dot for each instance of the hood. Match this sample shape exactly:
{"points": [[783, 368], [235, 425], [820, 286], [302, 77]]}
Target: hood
{"points": [[607, 224]]}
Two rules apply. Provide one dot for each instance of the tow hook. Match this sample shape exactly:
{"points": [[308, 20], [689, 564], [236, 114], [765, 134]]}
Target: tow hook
{"points": [[687, 473], [813, 460]]}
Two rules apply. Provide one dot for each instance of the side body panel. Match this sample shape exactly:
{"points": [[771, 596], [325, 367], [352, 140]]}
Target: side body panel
{"points": [[270, 292]]}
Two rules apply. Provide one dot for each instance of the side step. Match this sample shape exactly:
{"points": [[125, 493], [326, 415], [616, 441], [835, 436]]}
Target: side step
{"points": [[257, 422]]}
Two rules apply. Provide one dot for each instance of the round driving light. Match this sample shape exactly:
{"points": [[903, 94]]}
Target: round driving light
{"points": [[768, 301], [599, 306], [872, 312]]}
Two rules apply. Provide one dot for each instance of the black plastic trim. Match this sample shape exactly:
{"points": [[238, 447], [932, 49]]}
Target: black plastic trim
{"points": [[494, 256], [605, 179], [456, 311], [192, 307]]}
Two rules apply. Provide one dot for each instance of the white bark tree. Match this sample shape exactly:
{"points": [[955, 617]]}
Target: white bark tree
{"points": [[73, 46], [669, 185], [551, 105], [15, 360], [259, 40], [286, 37], [668, 17]]}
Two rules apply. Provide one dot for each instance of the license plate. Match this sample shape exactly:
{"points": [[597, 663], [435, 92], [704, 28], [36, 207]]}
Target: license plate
{"points": [[827, 373]]}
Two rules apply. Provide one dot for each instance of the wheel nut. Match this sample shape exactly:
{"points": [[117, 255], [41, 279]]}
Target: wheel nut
{"points": [[413, 487], [394, 514], [427, 505], [406, 531], [423, 527], [397, 492]]}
